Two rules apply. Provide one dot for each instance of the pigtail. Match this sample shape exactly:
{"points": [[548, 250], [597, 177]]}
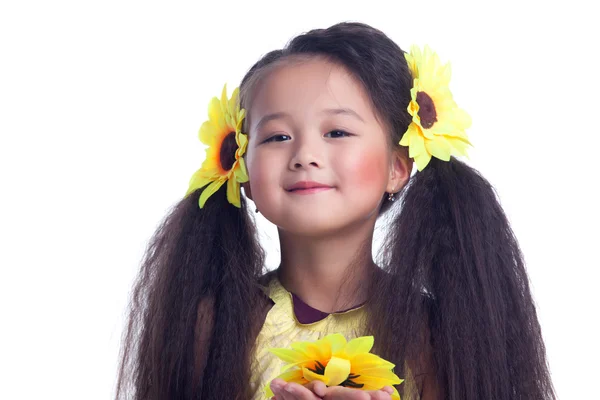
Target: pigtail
{"points": [[191, 313], [455, 263]]}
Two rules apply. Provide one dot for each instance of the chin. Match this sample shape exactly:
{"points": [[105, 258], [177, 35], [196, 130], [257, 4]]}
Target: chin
{"points": [[317, 221], [311, 225]]}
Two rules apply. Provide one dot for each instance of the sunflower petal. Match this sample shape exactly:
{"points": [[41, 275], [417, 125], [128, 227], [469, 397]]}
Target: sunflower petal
{"points": [[198, 181], [312, 350], [319, 350], [378, 373], [337, 371], [215, 114], [362, 344], [459, 146], [289, 356], [462, 118], [311, 376], [241, 114], [445, 73], [422, 160], [374, 381], [395, 394], [405, 139], [439, 148], [242, 142], [234, 105], [416, 142], [233, 192], [240, 172], [206, 133], [224, 102], [301, 347], [367, 361], [428, 133], [337, 341], [209, 191]]}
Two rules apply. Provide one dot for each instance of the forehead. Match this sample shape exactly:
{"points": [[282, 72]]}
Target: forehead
{"points": [[308, 86]]}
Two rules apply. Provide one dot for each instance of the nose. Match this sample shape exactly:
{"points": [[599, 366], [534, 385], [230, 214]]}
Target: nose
{"points": [[308, 153]]}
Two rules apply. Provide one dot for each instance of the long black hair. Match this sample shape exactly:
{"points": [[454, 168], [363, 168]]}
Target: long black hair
{"points": [[454, 307]]}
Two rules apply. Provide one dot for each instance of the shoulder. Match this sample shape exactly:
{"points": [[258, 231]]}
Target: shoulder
{"points": [[264, 279]]}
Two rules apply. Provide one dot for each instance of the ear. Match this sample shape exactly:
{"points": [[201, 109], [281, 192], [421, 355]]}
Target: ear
{"points": [[400, 170], [247, 190]]}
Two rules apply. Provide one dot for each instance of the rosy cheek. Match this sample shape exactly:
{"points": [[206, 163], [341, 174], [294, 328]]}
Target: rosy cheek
{"points": [[369, 169]]}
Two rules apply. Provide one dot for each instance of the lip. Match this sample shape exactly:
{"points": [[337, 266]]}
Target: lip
{"points": [[307, 187]]}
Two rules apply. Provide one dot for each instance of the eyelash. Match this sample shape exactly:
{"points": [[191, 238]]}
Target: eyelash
{"points": [[272, 138], [341, 131]]}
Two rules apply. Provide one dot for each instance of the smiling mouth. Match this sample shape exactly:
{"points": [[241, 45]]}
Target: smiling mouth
{"points": [[308, 187], [310, 190]]}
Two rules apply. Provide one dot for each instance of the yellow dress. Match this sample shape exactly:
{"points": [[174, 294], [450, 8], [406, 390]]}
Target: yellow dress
{"points": [[281, 328]]}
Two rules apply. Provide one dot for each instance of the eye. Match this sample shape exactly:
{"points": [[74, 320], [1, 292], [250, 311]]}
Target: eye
{"points": [[337, 133], [277, 138]]}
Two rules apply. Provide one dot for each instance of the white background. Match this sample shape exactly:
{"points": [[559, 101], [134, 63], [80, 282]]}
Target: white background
{"points": [[100, 104]]}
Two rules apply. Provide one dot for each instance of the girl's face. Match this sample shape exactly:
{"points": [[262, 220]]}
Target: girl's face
{"points": [[318, 159]]}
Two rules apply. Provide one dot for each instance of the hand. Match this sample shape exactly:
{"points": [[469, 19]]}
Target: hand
{"points": [[317, 390]]}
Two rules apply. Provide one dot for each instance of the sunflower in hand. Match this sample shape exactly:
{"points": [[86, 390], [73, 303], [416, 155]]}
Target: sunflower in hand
{"points": [[333, 362]]}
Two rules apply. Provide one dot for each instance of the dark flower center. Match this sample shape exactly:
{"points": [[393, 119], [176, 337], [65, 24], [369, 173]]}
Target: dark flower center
{"points": [[318, 368], [227, 153], [350, 383], [426, 110]]}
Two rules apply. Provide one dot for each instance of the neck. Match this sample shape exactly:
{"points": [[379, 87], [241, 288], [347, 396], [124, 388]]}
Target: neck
{"points": [[328, 273]]}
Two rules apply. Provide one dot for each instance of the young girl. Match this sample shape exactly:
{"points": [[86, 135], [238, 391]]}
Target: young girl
{"points": [[323, 140]]}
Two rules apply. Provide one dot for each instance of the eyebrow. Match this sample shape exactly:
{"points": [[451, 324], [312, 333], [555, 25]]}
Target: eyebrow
{"points": [[271, 117], [330, 111], [343, 111]]}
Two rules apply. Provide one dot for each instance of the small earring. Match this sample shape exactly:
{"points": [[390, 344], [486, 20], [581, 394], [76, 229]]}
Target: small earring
{"points": [[391, 197]]}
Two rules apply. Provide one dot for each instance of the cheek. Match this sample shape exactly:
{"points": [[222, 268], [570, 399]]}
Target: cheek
{"points": [[256, 174], [369, 170], [260, 175]]}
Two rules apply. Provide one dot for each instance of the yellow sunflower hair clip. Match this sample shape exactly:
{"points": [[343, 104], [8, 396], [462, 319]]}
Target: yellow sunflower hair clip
{"points": [[438, 125], [222, 133], [336, 362]]}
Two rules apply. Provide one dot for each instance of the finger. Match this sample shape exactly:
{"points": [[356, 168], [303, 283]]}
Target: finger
{"points": [[277, 386], [379, 395], [282, 394], [388, 389], [317, 387], [343, 393], [296, 391]]}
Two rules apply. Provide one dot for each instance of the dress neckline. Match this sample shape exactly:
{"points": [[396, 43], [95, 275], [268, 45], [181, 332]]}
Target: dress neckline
{"points": [[304, 314]]}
